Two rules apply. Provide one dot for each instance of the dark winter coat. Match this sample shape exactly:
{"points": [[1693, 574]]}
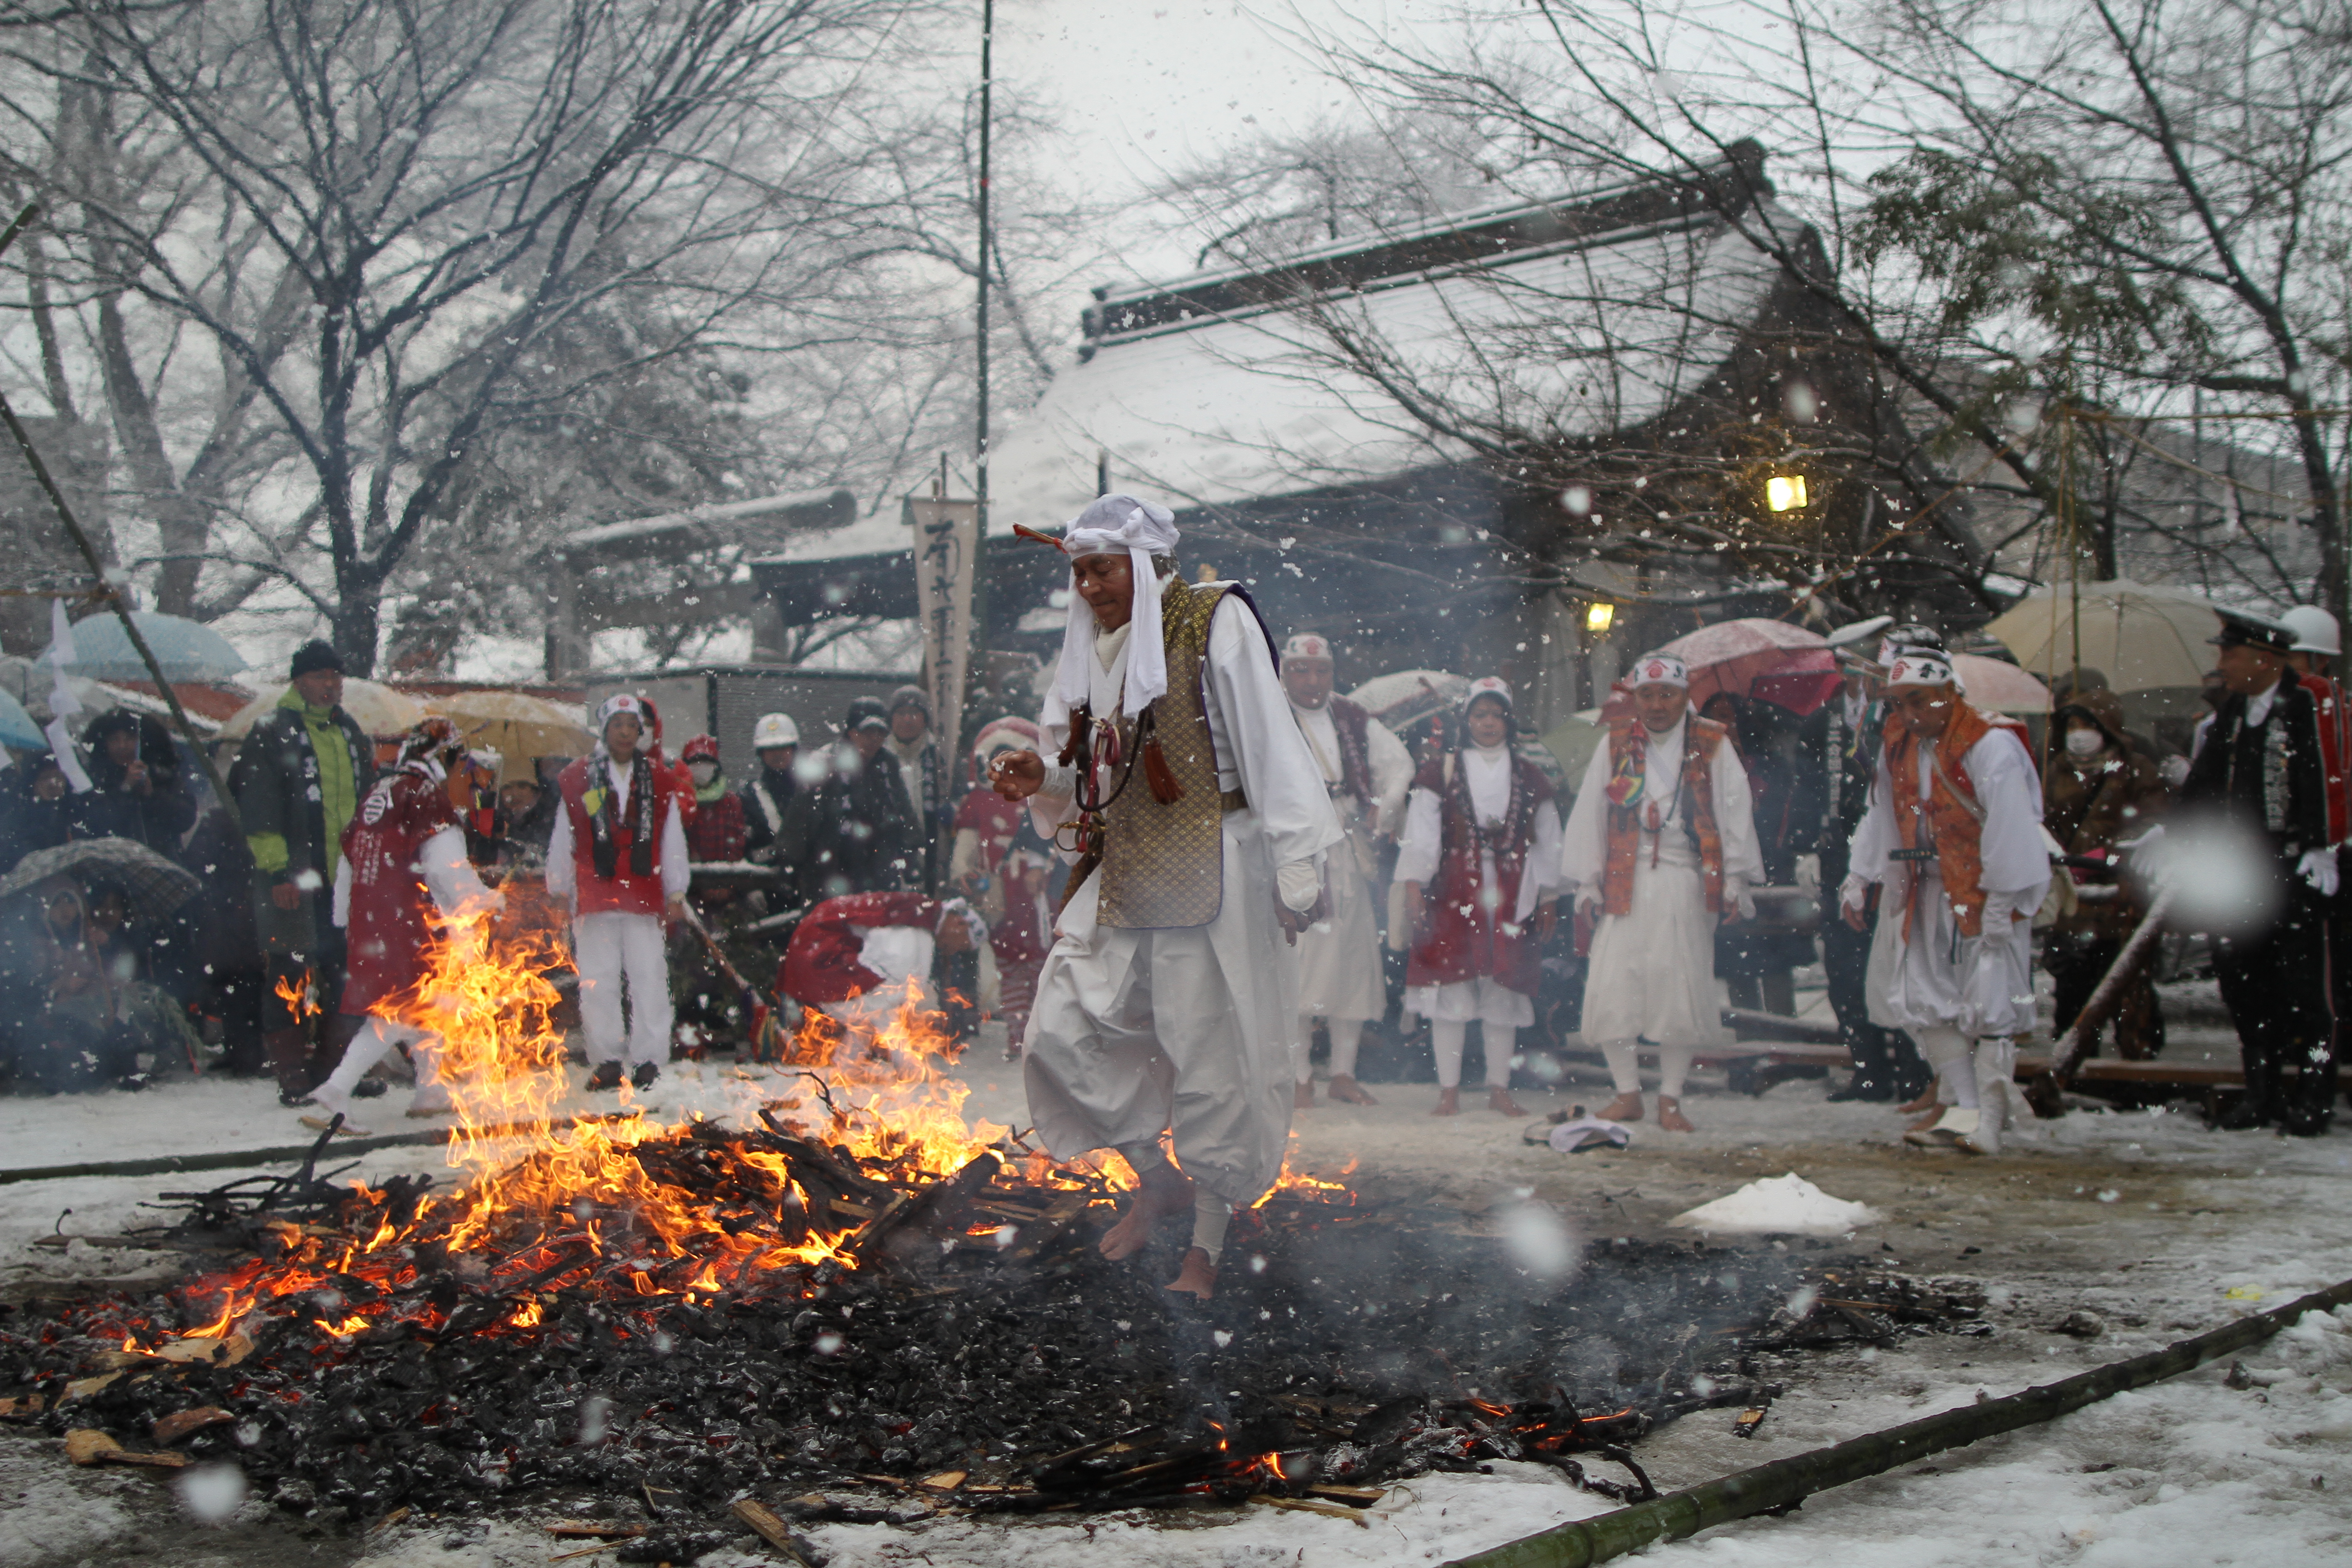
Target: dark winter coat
{"points": [[26, 822], [111, 808], [2091, 804], [276, 785], [853, 833]]}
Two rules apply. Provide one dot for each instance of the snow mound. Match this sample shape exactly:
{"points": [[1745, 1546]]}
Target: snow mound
{"points": [[1788, 1205]]}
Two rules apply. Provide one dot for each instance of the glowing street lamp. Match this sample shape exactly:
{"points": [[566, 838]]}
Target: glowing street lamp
{"points": [[1785, 492], [1598, 616]]}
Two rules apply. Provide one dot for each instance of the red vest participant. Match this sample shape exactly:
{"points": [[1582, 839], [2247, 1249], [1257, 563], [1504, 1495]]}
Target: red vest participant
{"points": [[618, 857], [1482, 837], [403, 851]]}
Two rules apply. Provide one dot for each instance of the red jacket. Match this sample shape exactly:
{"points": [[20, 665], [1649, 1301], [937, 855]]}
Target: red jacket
{"points": [[824, 962], [625, 891], [387, 930], [2334, 748], [716, 830]]}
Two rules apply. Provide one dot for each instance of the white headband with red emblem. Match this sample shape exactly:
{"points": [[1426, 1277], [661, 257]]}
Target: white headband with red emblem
{"points": [[1307, 645], [1661, 670], [1919, 669]]}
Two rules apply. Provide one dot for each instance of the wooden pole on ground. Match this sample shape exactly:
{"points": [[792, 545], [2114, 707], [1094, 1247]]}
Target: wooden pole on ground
{"points": [[1785, 1482]]}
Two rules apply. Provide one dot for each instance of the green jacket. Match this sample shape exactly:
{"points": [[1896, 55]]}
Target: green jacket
{"points": [[298, 778]]}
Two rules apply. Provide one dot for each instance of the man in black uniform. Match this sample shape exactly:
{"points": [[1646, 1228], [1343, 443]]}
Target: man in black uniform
{"points": [[1841, 741], [2261, 768]]}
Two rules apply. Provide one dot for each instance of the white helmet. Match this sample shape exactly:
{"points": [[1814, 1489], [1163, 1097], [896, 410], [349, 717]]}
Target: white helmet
{"points": [[2315, 630], [774, 730]]}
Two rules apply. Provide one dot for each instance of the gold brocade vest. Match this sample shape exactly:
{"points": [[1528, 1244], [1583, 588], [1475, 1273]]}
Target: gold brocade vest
{"points": [[1164, 864]]}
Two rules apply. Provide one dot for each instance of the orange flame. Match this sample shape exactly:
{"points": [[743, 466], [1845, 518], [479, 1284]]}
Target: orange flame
{"points": [[538, 1189]]}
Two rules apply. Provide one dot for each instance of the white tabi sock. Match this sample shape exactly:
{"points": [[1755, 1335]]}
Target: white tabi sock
{"points": [[1673, 1067], [1624, 1065], [1347, 1034], [1446, 1041], [1302, 1045], [1211, 1214], [367, 1048], [1948, 1051]]}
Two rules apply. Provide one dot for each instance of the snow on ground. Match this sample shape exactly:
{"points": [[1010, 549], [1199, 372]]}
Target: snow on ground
{"points": [[2157, 1226]]}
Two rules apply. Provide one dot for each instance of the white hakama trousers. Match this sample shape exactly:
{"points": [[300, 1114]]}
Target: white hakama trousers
{"points": [[606, 947], [1932, 976], [1963, 999], [1339, 959], [1183, 1029], [1650, 978]]}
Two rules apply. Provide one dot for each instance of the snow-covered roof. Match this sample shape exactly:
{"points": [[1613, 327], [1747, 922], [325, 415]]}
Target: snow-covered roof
{"points": [[802, 509], [1593, 332]]}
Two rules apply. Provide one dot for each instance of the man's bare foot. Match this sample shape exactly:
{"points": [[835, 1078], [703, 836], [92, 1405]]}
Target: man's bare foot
{"points": [[1164, 1191], [1302, 1096], [1499, 1101], [1935, 1113], [1624, 1108], [1670, 1116], [1198, 1277], [1927, 1101], [1349, 1090], [1449, 1102]]}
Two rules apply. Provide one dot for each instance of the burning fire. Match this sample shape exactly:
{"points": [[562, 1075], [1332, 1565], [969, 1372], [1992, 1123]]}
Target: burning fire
{"points": [[545, 1200]]}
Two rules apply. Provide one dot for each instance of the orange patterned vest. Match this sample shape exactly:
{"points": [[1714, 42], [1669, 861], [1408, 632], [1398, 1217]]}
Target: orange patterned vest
{"points": [[1628, 754], [1950, 819]]}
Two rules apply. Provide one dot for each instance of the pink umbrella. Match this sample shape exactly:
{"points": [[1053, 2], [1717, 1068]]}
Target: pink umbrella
{"points": [[1770, 661]]}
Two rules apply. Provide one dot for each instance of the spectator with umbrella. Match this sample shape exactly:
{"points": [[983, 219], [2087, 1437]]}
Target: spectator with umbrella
{"points": [[70, 1018], [2099, 792], [136, 791]]}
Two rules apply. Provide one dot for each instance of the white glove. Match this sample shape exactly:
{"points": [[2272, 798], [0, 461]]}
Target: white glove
{"points": [[1997, 910], [1854, 893], [1300, 883], [2173, 771], [1736, 904], [2318, 868], [1809, 873]]}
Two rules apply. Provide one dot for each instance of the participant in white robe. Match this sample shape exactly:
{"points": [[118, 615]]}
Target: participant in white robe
{"points": [[1962, 998], [1184, 1030], [1339, 978], [1649, 975]]}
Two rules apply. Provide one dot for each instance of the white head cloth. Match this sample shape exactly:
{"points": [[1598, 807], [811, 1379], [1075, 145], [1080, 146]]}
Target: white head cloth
{"points": [[1110, 524], [1307, 645], [1919, 669], [1493, 686], [1661, 670], [613, 707]]}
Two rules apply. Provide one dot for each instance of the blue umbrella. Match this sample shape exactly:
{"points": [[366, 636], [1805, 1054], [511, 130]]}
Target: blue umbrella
{"points": [[188, 650], [17, 729]]}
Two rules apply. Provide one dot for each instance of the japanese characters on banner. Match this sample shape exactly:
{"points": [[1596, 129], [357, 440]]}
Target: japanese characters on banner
{"points": [[946, 554]]}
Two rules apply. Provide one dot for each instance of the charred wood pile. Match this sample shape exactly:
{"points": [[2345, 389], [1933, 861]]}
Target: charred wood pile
{"points": [[848, 1338]]}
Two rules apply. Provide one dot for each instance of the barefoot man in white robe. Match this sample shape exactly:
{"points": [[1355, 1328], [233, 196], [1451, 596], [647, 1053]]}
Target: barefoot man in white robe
{"points": [[1660, 845], [1197, 821]]}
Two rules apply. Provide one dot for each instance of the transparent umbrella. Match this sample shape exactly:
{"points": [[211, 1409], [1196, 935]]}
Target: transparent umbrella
{"points": [[188, 650]]}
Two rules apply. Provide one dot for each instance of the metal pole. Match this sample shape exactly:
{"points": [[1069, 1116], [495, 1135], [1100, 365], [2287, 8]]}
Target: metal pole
{"points": [[106, 587], [975, 664]]}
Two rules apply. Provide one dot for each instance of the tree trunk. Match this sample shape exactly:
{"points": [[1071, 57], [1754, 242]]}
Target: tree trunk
{"points": [[358, 617]]}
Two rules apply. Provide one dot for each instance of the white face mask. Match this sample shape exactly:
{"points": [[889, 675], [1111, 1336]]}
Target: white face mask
{"points": [[2084, 742], [703, 772]]}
